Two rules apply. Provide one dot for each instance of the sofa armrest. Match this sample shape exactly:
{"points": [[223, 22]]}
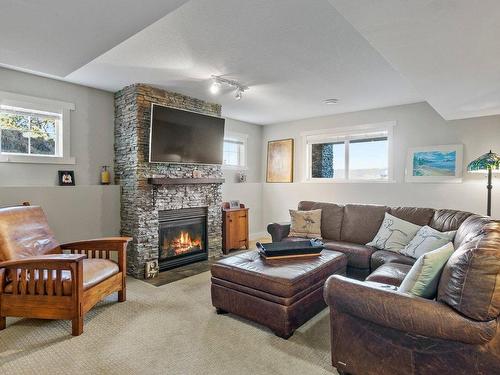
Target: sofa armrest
{"points": [[278, 231], [384, 305]]}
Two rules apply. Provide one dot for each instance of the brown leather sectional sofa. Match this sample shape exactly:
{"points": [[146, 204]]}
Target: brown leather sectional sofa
{"points": [[376, 329]]}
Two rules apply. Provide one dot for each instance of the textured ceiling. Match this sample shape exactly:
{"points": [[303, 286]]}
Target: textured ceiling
{"points": [[292, 54]]}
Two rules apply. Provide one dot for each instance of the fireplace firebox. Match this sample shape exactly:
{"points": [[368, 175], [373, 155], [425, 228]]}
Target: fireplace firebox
{"points": [[182, 237]]}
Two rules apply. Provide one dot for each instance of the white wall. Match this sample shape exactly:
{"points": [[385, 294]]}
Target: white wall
{"points": [[86, 210], [249, 193], [417, 125]]}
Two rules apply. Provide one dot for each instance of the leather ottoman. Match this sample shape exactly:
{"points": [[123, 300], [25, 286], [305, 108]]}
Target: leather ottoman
{"points": [[282, 294]]}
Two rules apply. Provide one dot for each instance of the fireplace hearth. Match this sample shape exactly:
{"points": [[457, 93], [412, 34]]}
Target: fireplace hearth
{"points": [[182, 237]]}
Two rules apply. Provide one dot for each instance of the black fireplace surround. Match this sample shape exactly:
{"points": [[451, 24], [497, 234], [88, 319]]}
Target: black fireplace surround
{"points": [[182, 237]]}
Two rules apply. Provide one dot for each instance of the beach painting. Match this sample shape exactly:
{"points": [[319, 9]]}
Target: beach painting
{"points": [[435, 164]]}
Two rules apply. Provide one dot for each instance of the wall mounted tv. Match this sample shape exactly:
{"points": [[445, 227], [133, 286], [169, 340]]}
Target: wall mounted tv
{"points": [[179, 136]]}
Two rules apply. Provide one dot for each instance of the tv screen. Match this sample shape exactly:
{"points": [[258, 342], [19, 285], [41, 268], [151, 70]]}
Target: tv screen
{"points": [[179, 136]]}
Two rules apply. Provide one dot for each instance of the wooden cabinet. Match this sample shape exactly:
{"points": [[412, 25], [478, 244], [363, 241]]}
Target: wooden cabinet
{"points": [[234, 229]]}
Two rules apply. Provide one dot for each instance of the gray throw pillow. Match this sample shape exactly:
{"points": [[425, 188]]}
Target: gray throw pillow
{"points": [[423, 278], [394, 234], [427, 239]]}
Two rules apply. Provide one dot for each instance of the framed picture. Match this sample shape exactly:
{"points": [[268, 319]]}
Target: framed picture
{"points": [[435, 164], [66, 178], [234, 204], [280, 161]]}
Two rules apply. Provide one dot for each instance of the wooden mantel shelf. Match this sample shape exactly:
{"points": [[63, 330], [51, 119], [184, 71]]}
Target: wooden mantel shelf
{"points": [[184, 181]]}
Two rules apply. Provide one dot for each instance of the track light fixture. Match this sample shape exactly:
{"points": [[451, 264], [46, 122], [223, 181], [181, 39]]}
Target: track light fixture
{"points": [[218, 81]]}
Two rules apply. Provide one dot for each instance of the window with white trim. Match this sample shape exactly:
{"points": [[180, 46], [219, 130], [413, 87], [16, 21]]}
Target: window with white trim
{"points": [[235, 148], [34, 130], [349, 154]]}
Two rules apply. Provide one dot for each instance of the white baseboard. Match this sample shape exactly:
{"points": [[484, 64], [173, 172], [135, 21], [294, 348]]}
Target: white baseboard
{"points": [[257, 235]]}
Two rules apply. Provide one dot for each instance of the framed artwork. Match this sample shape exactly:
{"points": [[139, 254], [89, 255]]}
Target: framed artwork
{"points": [[66, 178], [435, 164], [234, 204], [280, 161]]}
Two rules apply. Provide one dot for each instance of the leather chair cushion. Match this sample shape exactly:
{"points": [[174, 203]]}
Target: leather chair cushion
{"points": [[470, 280], [358, 256], [331, 217], [94, 271], [446, 220], [415, 215], [25, 232], [283, 278], [361, 222], [381, 257], [390, 273]]}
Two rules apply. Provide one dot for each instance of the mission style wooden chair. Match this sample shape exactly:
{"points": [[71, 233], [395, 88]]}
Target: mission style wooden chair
{"points": [[39, 278]]}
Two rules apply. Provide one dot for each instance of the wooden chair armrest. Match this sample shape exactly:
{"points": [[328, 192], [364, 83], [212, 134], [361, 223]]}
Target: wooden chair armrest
{"points": [[49, 261], [102, 244], [2, 279]]}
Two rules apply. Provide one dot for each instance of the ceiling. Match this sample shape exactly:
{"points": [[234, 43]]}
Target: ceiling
{"points": [[292, 54]]}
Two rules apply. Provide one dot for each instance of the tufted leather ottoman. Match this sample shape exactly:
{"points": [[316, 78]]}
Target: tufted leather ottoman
{"points": [[281, 295]]}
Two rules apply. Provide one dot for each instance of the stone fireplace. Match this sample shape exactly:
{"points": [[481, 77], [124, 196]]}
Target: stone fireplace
{"points": [[148, 203]]}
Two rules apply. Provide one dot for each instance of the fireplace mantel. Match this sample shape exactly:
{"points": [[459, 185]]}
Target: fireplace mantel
{"points": [[184, 181]]}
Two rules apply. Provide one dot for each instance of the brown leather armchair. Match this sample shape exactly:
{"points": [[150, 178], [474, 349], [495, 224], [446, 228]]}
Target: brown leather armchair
{"points": [[39, 278], [375, 329]]}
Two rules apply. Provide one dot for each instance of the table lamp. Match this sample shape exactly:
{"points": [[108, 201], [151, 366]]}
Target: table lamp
{"points": [[487, 163]]}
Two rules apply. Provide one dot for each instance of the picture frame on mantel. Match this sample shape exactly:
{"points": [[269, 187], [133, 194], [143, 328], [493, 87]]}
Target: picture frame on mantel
{"points": [[435, 164], [280, 161]]}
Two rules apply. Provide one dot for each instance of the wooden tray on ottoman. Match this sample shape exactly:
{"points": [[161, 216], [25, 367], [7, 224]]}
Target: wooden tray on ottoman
{"points": [[280, 295]]}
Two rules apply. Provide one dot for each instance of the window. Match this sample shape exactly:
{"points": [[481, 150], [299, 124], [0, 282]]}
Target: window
{"points": [[34, 130], [235, 146], [28, 132], [354, 154]]}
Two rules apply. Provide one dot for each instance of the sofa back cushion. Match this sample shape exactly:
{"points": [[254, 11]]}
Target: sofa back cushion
{"points": [[470, 282], [470, 229], [415, 215], [361, 222], [446, 220], [331, 217], [24, 232]]}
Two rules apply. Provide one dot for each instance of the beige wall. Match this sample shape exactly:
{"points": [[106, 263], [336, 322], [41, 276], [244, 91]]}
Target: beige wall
{"points": [[417, 125]]}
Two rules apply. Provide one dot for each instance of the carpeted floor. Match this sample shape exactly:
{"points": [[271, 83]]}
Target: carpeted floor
{"points": [[171, 329]]}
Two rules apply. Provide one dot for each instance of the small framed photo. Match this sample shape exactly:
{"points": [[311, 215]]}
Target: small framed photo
{"points": [[234, 204], [435, 164], [66, 178]]}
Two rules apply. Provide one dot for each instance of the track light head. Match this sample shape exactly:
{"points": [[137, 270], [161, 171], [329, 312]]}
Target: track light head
{"points": [[215, 86], [238, 94], [218, 82]]}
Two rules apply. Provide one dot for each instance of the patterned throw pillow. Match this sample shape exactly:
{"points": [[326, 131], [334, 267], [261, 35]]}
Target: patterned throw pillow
{"points": [[394, 234], [423, 278], [427, 239], [305, 224]]}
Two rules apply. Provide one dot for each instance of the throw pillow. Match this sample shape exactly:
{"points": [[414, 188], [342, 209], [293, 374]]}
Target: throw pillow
{"points": [[427, 239], [305, 224], [423, 278], [394, 234]]}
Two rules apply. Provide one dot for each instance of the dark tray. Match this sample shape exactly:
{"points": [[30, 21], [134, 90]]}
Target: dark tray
{"points": [[276, 249]]}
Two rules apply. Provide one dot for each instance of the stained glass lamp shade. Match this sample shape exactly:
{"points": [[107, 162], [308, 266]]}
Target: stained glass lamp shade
{"points": [[487, 163]]}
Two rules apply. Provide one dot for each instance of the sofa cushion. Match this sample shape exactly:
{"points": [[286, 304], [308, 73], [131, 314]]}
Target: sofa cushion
{"points": [[381, 257], [365, 216], [470, 229], [390, 273], [331, 217], [427, 239], [358, 256], [280, 278], [416, 215], [25, 232], [446, 220], [422, 280], [394, 234], [305, 223], [94, 271], [470, 280]]}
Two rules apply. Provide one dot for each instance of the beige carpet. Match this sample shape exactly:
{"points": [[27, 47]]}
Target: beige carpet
{"points": [[171, 329]]}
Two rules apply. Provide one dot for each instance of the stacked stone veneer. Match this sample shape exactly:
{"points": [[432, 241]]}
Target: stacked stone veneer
{"points": [[139, 202]]}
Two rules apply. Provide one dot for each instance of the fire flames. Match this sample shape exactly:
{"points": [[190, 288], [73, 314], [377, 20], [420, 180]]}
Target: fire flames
{"points": [[183, 243]]}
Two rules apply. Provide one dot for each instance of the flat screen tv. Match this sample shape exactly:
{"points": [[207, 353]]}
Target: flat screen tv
{"points": [[179, 136]]}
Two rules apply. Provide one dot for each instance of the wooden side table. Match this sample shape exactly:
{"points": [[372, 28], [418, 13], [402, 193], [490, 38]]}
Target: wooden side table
{"points": [[234, 229]]}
